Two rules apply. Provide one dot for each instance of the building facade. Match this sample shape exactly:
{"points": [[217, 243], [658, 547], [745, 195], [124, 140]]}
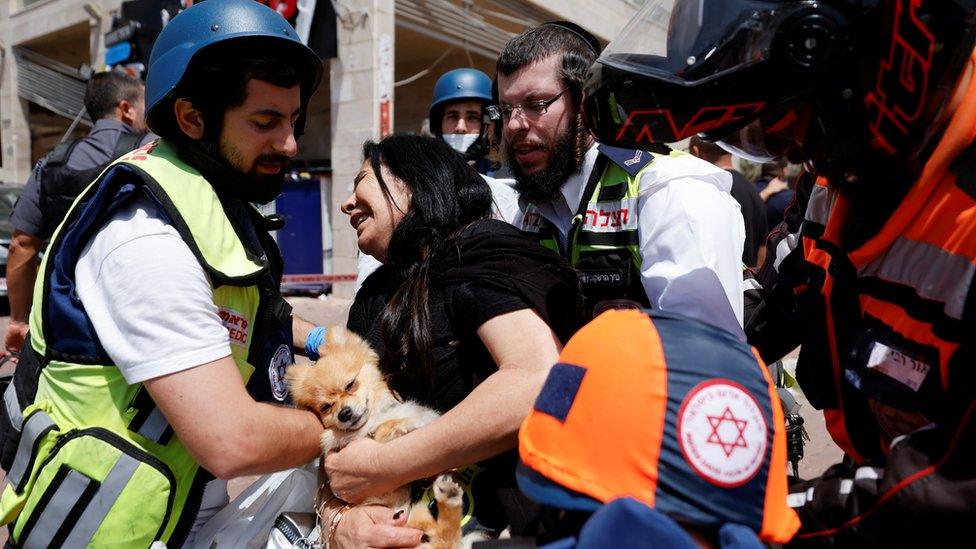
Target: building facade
{"points": [[389, 54]]}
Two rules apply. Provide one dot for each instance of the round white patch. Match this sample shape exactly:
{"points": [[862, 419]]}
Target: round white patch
{"points": [[276, 371], [722, 432]]}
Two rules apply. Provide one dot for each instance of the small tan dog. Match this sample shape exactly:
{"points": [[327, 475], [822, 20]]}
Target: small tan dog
{"points": [[346, 389]]}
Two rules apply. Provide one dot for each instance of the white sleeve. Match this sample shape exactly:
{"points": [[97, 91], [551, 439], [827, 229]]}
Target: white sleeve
{"points": [[691, 238], [504, 199], [148, 298]]}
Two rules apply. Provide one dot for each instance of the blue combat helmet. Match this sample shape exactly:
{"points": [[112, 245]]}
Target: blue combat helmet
{"points": [[458, 85], [216, 22]]}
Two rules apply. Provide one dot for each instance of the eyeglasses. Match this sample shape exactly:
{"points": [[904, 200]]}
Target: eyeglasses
{"points": [[531, 109]]}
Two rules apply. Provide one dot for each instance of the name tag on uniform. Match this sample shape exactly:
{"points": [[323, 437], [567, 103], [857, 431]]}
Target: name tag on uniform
{"points": [[609, 217], [529, 220], [895, 364]]}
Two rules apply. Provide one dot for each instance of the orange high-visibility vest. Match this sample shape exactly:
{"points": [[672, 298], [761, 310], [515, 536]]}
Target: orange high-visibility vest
{"points": [[677, 414], [887, 318]]}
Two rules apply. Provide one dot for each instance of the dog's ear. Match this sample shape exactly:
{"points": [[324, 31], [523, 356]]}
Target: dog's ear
{"points": [[335, 336]]}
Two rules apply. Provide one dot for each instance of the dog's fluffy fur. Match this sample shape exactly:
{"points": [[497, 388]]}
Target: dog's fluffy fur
{"points": [[346, 389]]}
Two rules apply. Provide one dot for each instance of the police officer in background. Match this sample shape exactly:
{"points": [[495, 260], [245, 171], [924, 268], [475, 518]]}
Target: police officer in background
{"points": [[115, 102], [879, 99], [457, 114]]}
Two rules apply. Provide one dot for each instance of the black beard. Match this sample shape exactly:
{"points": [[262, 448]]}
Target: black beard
{"points": [[256, 187], [544, 185], [263, 188], [223, 174]]}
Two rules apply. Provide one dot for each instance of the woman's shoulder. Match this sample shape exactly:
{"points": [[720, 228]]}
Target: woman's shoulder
{"points": [[378, 280], [490, 227]]}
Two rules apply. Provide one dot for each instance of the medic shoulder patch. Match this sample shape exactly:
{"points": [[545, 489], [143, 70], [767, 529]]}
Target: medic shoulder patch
{"points": [[631, 160], [722, 432], [560, 390]]}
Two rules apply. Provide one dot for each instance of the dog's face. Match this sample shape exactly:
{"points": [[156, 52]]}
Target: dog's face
{"points": [[340, 387]]}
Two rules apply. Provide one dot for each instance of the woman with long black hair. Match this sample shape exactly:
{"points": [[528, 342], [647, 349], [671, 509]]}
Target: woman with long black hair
{"points": [[467, 316]]}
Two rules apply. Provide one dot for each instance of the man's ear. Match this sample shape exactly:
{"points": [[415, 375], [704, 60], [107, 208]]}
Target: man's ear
{"points": [[127, 113], [189, 118]]}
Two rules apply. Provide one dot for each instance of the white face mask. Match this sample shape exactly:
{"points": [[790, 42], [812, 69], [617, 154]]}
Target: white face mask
{"points": [[460, 141]]}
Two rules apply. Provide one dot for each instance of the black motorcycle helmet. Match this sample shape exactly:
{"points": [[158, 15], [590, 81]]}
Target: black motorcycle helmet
{"points": [[843, 85]]}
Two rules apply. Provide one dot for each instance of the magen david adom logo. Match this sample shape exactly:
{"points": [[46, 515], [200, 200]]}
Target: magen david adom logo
{"points": [[722, 432]]}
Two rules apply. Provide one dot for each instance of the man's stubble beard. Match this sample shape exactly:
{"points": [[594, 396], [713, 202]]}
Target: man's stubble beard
{"points": [[255, 187], [566, 157]]}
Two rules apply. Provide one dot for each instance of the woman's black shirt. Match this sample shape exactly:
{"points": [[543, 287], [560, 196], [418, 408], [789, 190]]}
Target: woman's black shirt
{"points": [[489, 271]]}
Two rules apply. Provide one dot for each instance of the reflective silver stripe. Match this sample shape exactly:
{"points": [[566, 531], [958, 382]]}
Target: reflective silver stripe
{"points": [[56, 511], [104, 499], [867, 473], [154, 426], [749, 283], [798, 499], [783, 249], [934, 273], [14, 412], [821, 202], [36, 426]]}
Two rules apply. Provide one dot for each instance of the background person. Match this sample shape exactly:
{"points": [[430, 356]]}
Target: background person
{"points": [[648, 229], [877, 287], [159, 339], [743, 191], [467, 316], [774, 189], [457, 114], [115, 102]]}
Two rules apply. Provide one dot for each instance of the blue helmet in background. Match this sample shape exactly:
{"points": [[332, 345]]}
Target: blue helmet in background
{"points": [[220, 22], [458, 85]]}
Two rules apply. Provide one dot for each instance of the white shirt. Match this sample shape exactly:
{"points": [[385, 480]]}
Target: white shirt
{"points": [[690, 232], [152, 307]]}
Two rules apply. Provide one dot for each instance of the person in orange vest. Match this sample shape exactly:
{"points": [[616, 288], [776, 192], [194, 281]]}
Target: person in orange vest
{"points": [[878, 100], [655, 429]]}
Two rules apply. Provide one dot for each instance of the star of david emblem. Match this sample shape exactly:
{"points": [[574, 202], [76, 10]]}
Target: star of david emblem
{"points": [[717, 438]]}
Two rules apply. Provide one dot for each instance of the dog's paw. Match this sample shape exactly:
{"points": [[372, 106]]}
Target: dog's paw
{"points": [[448, 492], [328, 442], [391, 429]]}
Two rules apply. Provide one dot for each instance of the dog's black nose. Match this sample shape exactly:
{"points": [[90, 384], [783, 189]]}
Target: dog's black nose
{"points": [[345, 414]]}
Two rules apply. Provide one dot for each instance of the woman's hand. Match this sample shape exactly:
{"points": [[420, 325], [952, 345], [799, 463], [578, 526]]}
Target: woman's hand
{"points": [[374, 526], [357, 472]]}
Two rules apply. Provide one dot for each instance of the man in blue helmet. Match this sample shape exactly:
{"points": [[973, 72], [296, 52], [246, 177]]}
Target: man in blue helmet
{"points": [[457, 114], [159, 340]]}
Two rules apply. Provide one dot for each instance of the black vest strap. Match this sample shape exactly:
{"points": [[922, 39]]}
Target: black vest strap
{"points": [[126, 143], [59, 185], [59, 155]]}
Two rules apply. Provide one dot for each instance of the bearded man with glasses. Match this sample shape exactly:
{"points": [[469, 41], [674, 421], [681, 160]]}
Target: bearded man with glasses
{"points": [[642, 228]]}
